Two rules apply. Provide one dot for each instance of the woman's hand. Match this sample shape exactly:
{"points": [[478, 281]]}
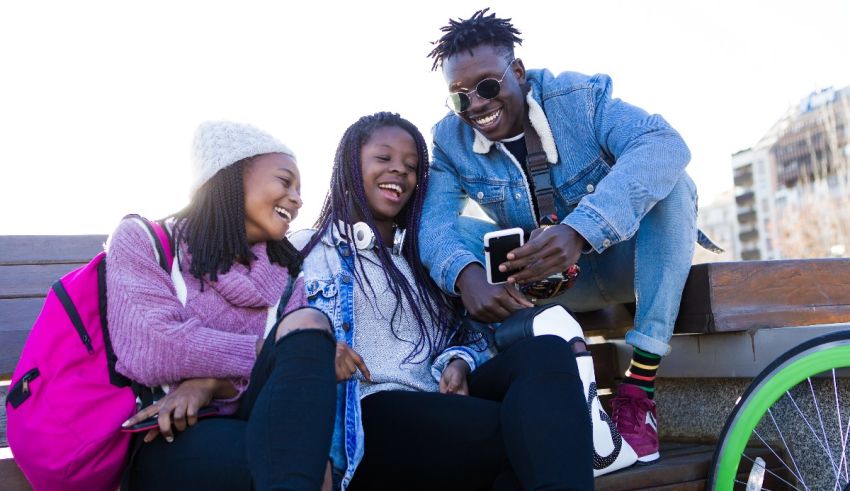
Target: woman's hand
{"points": [[347, 362], [453, 380], [179, 408]]}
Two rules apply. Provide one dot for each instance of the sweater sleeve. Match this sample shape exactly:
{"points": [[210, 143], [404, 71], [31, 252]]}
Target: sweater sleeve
{"points": [[157, 341]]}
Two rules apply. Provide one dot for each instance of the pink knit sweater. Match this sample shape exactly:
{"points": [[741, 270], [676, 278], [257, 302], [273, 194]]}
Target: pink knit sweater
{"points": [[159, 341]]}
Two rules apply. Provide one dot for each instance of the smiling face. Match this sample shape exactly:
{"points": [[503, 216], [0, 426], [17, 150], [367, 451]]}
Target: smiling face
{"points": [[497, 118], [272, 196], [388, 161]]}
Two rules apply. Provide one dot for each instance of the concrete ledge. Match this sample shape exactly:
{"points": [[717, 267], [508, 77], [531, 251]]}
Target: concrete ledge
{"points": [[728, 355]]}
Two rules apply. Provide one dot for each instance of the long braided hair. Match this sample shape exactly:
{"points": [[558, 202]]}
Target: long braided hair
{"points": [[466, 34], [346, 202], [213, 227]]}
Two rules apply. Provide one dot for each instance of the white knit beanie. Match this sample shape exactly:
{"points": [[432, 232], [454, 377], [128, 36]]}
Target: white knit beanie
{"points": [[219, 144]]}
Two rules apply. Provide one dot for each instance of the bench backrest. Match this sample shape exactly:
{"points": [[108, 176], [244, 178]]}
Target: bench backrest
{"points": [[29, 264], [718, 297]]}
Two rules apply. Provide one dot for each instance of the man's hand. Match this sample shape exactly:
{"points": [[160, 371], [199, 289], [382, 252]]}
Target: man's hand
{"points": [[453, 380], [347, 362], [549, 251], [486, 302]]}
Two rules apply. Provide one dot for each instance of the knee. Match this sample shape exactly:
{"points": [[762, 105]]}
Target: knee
{"points": [[301, 319], [547, 353], [682, 197]]}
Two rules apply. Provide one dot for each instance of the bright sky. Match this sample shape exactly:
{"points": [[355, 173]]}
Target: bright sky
{"points": [[99, 100]]}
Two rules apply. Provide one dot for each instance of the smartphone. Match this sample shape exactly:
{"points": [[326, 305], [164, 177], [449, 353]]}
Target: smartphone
{"points": [[152, 422], [497, 245]]}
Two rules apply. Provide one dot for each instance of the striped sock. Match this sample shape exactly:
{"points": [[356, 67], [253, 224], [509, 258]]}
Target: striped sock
{"points": [[642, 371]]}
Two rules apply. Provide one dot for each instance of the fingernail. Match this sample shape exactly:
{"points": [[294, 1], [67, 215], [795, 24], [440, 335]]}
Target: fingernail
{"points": [[125, 424], [169, 439]]}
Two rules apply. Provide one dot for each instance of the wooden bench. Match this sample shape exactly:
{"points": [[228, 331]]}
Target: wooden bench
{"points": [[718, 298], [28, 266]]}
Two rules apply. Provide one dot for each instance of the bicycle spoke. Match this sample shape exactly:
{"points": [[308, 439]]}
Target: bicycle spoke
{"points": [[779, 458], [822, 427], [772, 473], [840, 429], [799, 474], [823, 445]]}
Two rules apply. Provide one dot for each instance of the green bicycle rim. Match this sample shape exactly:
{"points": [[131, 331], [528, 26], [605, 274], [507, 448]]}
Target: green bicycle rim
{"points": [[805, 365]]}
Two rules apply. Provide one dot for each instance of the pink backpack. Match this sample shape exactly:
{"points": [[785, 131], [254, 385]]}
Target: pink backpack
{"points": [[66, 402]]}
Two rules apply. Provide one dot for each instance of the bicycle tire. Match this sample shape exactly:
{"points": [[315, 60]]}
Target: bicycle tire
{"points": [[813, 357]]}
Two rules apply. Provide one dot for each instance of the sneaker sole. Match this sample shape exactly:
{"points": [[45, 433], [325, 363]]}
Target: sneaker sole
{"points": [[649, 459]]}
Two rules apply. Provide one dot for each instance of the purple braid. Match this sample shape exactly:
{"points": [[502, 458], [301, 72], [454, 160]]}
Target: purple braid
{"points": [[346, 201]]}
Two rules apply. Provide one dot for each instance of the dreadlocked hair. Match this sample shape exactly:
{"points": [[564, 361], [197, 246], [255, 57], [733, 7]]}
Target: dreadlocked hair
{"points": [[213, 227], [346, 202], [465, 34]]}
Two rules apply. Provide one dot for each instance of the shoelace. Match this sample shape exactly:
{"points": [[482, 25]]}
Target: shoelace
{"points": [[625, 412]]}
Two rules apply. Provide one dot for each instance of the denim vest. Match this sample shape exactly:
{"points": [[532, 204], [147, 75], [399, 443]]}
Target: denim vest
{"points": [[610, 163], [329, 282]]}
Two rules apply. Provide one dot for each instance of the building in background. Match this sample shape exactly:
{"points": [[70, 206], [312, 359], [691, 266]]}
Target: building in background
{"points": [[791, 188], [718, 220]]}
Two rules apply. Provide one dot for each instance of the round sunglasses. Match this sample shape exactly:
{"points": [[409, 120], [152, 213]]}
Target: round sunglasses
{"points": [[488, 88]]}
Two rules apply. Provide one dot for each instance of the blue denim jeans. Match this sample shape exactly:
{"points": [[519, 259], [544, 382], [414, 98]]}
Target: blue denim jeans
{"points": [[650, 268]]}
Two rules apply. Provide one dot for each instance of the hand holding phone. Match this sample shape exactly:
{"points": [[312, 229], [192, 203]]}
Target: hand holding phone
{"points": [[153, 422], [497, 245]]}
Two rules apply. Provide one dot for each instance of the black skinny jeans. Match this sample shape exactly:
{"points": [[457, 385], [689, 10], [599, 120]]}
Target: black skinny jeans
{"points": [[279, 439], [525, 425]]}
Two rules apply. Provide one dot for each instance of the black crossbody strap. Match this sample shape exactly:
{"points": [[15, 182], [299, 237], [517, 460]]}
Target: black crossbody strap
{"points": [[537, 168]]}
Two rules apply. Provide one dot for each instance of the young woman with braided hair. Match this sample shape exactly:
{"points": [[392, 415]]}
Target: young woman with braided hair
{"points": [[426, 410], [211, 331]]}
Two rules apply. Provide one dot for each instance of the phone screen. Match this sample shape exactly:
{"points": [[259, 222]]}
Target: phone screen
{"points": [[499, 247]]}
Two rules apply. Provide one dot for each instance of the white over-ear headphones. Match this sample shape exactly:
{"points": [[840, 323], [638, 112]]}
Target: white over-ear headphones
{"points": [[364, 237]]}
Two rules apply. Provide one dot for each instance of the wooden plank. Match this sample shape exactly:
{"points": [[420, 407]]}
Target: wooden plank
{"points": [[605, 364], [11, 344], [28, 281], [677, 465], [3, 441], [11, 477], [682, 466], [612, 321], [47, 249], [18, 314], [739, 296]]}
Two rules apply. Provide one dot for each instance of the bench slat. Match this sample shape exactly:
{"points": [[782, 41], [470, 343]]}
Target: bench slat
{"points": [[680, 467], [739, 296], [18, 314], [47, 249], [11, 477], [28, 280], [11, 344]]}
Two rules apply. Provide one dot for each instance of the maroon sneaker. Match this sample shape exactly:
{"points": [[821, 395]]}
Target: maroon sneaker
{"points": [[634, 415]]}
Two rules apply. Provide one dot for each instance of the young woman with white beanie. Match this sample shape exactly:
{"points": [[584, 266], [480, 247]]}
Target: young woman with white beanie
{"points": [[213, 333]]}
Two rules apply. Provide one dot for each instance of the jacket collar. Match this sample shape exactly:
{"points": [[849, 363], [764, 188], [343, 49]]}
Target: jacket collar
{"points": [[538, 120]]}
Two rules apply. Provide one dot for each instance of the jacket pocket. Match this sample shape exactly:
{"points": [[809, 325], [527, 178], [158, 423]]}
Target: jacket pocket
{"points": [[322, 294], [583, 183], [489, 195]]}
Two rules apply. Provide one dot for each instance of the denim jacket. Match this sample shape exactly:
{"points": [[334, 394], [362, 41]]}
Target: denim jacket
{"points": [[329, 282], [610, 163]]}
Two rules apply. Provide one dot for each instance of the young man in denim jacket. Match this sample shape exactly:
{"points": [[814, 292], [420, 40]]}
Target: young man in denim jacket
{"points": [[626, 207]]}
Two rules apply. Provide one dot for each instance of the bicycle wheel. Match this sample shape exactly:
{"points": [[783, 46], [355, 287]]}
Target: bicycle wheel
{"points": [[792, 414]]}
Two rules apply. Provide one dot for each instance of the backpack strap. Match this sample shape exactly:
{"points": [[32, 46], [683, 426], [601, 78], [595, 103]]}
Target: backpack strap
{"points": [[537, 168], [161, 239]]}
